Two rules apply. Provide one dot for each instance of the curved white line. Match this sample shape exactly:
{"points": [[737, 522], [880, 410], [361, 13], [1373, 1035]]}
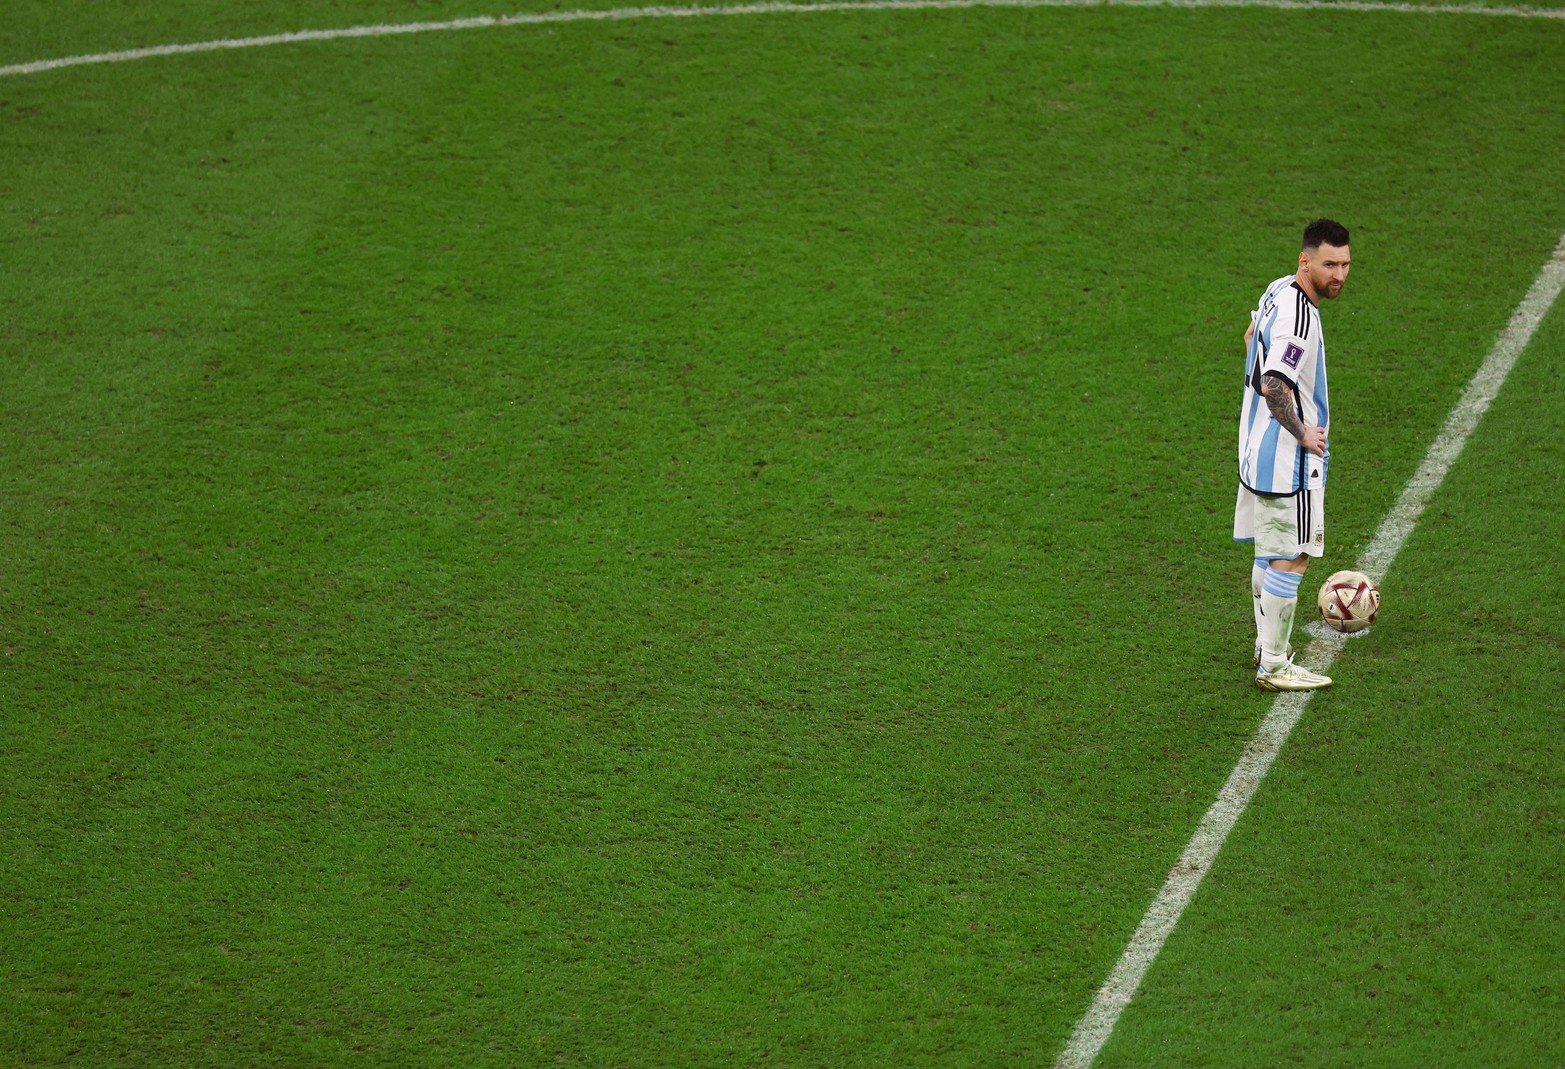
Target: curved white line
{"points": [[766, 8]]}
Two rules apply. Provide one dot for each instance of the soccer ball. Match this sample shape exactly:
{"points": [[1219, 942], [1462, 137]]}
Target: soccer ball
{"points": [[1348, 601]]}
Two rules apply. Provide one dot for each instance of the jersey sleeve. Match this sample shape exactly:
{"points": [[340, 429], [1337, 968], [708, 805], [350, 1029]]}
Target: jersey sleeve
{"points": [[1290, 338], [1283, 357]]}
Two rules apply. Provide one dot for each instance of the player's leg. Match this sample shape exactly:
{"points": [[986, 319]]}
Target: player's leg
{"points": [[1257, 574], [1245, 509], [1244, 531], [1279, 602], [1257, 588], [1288, 532]]}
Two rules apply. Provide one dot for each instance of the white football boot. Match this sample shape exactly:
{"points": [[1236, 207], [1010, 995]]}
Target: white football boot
{"points": [[1289, 676]]}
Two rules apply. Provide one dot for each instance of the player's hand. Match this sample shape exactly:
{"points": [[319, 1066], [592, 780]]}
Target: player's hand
{"points": [[1314, 440]]}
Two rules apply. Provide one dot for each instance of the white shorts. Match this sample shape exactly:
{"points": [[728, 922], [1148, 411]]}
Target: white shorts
{"points": [[1282, 527]]}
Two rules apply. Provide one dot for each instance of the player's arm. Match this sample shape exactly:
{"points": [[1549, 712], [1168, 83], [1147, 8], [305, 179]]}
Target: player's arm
{"points": [[1249, 333], [1278, 392]]}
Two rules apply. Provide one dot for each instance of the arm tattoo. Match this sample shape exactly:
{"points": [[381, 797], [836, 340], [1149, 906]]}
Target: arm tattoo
{"points": [[1279, 398]]}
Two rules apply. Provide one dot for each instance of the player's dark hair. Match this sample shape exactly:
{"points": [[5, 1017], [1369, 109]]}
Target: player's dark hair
{"points": [[1325, 232]]}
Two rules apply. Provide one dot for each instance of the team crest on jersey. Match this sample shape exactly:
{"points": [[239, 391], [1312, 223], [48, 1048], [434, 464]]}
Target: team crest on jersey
{"points": [[1291, 355]]}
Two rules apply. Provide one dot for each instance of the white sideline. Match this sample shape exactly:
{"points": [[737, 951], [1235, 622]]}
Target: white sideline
{"points": [[1093, 1030], [775, 7]]}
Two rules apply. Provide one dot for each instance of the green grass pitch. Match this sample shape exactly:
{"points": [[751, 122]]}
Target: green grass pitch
{"points": [[706, 542]]}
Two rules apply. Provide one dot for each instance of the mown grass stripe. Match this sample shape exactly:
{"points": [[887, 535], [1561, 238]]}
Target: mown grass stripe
{"points": [[1096, 1025], [612, 14]]}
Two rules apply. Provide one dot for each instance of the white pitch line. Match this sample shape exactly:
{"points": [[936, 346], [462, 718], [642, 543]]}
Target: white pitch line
{"points": [[1093, 1030], [770, 8]]}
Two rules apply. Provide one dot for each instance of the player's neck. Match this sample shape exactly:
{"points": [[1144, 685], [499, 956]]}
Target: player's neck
{"points": [[1303, 282]]}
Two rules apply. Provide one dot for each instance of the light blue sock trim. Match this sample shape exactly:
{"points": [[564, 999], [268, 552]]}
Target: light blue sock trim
{"points": [[1260, 562], [1281, 584]]}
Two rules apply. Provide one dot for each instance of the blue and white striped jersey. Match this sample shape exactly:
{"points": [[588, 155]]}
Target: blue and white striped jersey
{"points": [[1287, 341]]}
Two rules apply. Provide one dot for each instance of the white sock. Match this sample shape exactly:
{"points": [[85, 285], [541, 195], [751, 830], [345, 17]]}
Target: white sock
{"points": [[1279, 599], [1257, 570]]}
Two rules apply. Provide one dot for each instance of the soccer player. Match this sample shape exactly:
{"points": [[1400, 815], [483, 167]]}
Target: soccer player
{"points": [[1282, 447]]}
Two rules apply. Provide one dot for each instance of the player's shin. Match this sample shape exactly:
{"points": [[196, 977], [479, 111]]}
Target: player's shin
{"points": [[1257, 573], [1279, 599]]}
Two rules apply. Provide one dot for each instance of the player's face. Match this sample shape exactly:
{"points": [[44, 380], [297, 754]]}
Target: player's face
{"points": [[1327, 268]]}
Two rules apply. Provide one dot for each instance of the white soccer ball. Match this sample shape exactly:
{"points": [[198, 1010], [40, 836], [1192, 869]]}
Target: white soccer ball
{"points": [[1348, 601]]}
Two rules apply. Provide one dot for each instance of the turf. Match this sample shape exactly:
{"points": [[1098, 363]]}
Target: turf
{"points": [[681, 543]]}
